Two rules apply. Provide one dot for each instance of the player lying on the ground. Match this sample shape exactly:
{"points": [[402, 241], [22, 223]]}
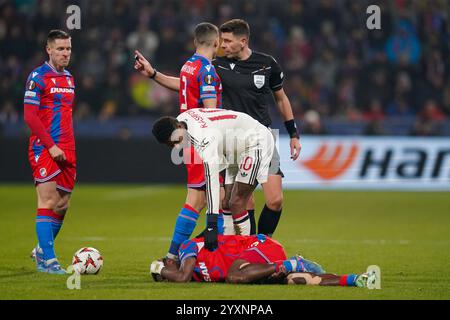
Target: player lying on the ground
{"points": [[248, 259], [224, 139]]}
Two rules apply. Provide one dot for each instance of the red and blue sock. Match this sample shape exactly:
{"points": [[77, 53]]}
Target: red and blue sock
{"points": [[185, 225], [57, 224], [45, 220], [348, 280]]}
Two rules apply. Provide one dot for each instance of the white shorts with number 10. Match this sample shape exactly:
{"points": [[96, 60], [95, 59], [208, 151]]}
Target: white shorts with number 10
{"points": [[253, 164]]}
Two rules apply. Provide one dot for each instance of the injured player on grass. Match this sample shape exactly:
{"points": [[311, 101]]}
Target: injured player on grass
{"points": [[250, 260]]}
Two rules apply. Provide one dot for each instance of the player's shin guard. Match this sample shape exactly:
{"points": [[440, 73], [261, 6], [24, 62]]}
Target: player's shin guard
{"points": [[242, 223], [268, 221], [185, 225], [228, 225], [44, 220]]}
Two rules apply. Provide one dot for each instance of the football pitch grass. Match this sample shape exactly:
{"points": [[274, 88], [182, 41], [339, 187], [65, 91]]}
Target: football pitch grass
{"points": [[407, 234]]}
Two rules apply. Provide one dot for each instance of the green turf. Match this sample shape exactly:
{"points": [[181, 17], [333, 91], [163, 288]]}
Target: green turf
{"points": [[406, 234]]}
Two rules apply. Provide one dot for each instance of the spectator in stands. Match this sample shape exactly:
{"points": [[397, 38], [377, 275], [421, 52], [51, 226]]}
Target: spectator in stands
{"points": [[403, 44], [332, 63], [312, 123]]}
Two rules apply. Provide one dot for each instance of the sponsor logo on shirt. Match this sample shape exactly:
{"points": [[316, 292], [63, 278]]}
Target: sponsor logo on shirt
{"points": [[30, 94], [205, 272], [61, 90], [208, 88]]}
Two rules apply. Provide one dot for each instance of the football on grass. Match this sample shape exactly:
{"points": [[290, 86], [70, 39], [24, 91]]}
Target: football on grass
{"points": [[87, 260]]}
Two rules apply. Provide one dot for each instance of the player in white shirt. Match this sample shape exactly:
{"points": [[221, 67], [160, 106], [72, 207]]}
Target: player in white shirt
{"points": [[229, 140]]}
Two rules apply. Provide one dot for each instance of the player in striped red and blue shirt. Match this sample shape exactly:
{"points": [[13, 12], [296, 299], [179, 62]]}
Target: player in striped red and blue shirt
{"points": [[254, 259], [48, 105]]}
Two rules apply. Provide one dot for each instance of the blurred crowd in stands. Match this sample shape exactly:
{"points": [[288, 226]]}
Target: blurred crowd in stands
{"points": [[334, 66]]}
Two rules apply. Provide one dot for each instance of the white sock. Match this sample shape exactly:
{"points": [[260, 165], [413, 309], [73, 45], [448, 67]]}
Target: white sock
{"points": [[242, 223], [228, 226]]}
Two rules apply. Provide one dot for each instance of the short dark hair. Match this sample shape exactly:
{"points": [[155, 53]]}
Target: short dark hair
{"points": [[204, 32], [237, 27], [163, 128], [57, 34]]}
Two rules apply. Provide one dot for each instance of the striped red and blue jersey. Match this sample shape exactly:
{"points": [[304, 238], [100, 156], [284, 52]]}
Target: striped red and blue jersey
{"points": [[53, 94], [213, 266], [198, 81]]}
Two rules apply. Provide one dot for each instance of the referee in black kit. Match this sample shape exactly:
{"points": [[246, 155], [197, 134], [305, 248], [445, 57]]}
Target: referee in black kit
{"points": [[251, 80]]}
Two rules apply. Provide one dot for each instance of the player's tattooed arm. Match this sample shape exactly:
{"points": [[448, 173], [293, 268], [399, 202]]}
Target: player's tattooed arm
{"points": [[181, 274], [144, 67]]}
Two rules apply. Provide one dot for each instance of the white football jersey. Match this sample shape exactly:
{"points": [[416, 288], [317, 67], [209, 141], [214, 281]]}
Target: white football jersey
{"points": [[220, 136]]}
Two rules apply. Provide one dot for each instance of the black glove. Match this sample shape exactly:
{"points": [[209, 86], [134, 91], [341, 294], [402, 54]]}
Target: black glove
{"points": [[211, 232]]}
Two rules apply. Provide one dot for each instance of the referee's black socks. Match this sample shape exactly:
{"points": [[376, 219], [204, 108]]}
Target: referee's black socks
{"points": [[268, 221]]}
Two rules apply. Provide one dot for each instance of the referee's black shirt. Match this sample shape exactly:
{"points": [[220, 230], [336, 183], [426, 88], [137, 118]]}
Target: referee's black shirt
{"points": [[248, 84]]}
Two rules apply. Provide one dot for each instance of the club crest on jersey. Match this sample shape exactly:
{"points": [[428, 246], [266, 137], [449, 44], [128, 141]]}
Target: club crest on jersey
{"points": [[209, 79], [69, 82], [43, 172], [232, 65], [53, 80], [31, 85], [259, 80]]}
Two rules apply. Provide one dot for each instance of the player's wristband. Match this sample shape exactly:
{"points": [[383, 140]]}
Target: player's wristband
{"points": [[291, 128], [154, 74]]}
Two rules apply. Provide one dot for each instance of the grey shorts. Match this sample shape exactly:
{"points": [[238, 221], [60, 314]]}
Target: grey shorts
{"points": [[275, 168]]}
